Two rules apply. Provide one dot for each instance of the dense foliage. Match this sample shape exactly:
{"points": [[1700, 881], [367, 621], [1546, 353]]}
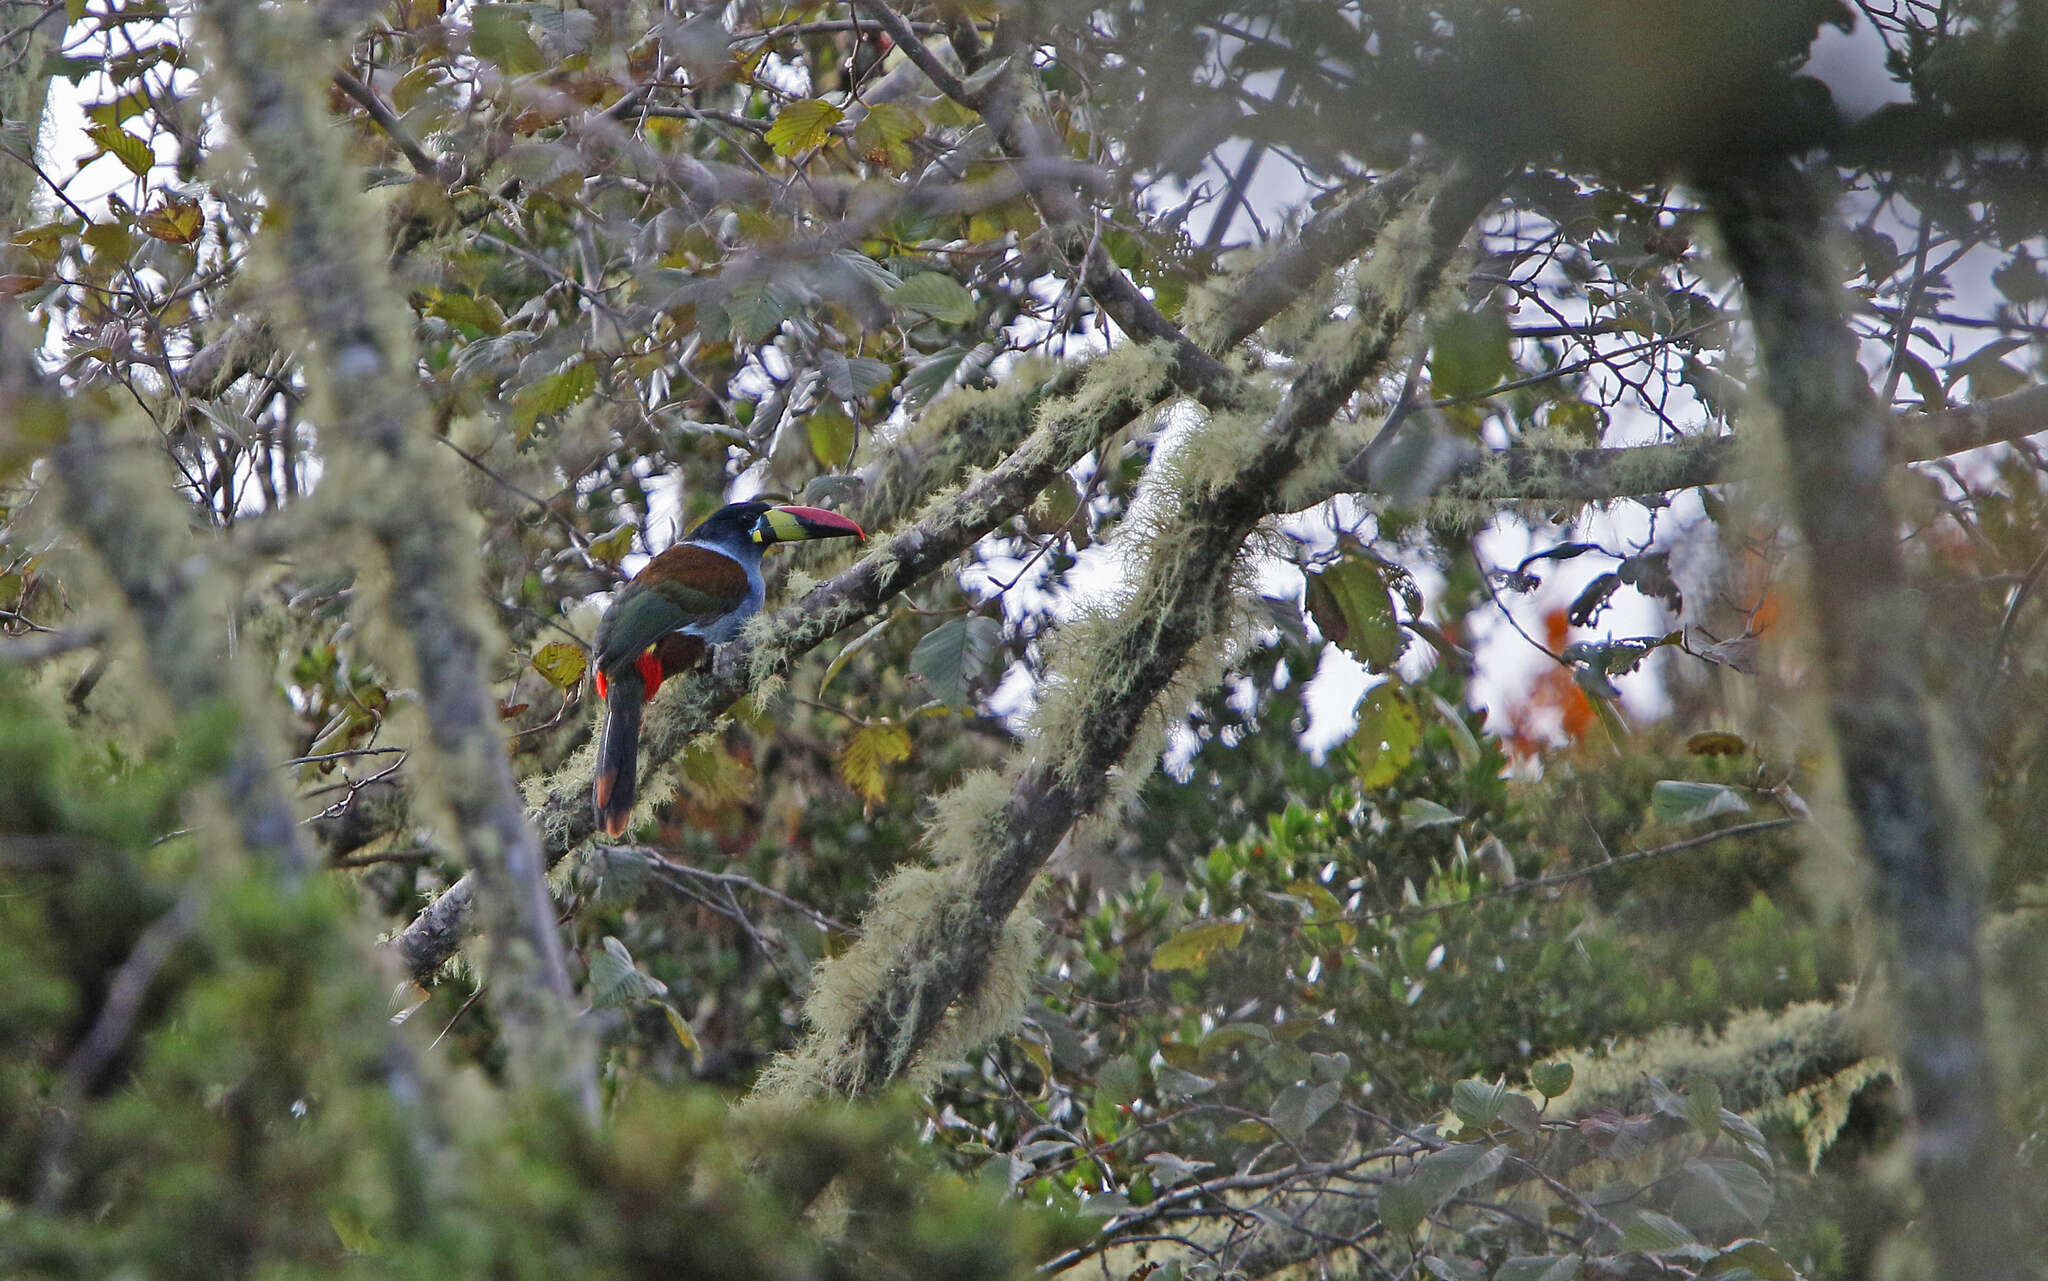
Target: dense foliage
{"points": [[1190, 364]]}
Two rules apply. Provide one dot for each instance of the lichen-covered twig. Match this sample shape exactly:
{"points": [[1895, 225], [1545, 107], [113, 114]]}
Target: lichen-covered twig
{"points": [[1593, 475], [267, 63], [1867, 621]]}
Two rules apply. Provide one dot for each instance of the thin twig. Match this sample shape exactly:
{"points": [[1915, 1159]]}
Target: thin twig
{"points": [[1577, 874]]}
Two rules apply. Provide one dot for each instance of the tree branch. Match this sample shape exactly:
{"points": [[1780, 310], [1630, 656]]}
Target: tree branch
{"points": [[1631, 471], [929, 958], [143, 538], [361, 367], [1081, 406], [1776, 226]]}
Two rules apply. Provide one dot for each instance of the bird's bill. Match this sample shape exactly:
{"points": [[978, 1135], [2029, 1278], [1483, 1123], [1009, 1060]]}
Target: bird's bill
{"points": [[796, 524]]}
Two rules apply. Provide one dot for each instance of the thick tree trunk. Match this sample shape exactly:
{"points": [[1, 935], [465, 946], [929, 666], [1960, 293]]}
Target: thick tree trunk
{"points": [[24, 88], [266, 65], [1777, 228]]}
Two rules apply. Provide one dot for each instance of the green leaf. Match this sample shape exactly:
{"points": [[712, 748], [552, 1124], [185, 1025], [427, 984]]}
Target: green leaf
{"points": [[990, 72], [1720, 1192], [1117, 1085], [1402, 1208], [855, 646], [1389, 730], [1462, 738], [1354, 609], [1418, 812], [1478, 1103], [931, 294], [1470, 353], [929, 377], [615, 981], [1441, 1175], [1194, 946], [800, 126], [1703, 1107], [1551, 1079], [852, 377], [1223, 1038], [352, 1230], [883, 131], [953, 652], [552, 394], [1329, 1067], [750, 315], [1649, 1232], [1681, 801], [1933, 396], [498, 33], [1178, 1083], [621, 872], [831, 433], [1169, 1169], [1544, 1267], [1748, 1260], [131, 151], [1519, 1113], [1301, 1105]]}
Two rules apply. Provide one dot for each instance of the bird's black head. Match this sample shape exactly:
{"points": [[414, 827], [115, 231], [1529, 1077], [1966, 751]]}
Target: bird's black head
{"points": [[761, 524], [732, 523]]}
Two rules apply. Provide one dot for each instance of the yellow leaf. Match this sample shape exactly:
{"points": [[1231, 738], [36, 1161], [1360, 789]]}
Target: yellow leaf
{"points": [[682, 1031], [611, 546], [1194, 945], [123, 146], [480, 314], [801, 126], [831, 434], [1389, 730], [177, 220], [1036, 1049], [865, 759], [561, 663]]}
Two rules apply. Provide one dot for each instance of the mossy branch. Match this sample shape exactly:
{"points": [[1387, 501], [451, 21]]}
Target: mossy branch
{"points": [[142, 535], [1777, 227], [266, 64], [1596, 475], [931, 972], [1038, 430]]}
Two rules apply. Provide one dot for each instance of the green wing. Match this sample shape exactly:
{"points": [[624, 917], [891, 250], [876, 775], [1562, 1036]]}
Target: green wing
{"points": [[685, 585]]}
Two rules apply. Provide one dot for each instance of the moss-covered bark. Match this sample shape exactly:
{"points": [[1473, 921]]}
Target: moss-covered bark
{"points": [[266, 66], [1046, 428], [24, 87], [920, 981], [1866, 617]]}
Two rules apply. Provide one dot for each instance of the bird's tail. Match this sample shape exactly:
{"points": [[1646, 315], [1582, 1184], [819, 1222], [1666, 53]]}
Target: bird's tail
{"points": [[618, 752]]}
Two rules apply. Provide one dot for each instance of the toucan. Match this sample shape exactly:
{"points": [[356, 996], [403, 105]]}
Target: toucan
{"points": [[691, 597]]}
